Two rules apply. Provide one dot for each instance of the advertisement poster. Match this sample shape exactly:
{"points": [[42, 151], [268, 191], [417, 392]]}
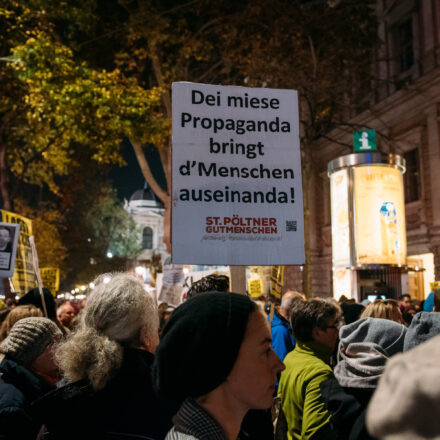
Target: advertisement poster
{"points": [[9, 233], [379, 215], [340, 225], [24, 277], [237, 193], [51, 279]]}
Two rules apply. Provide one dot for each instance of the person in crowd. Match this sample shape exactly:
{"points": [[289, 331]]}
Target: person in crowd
{"points": [[165, 311], [215, 358], [4, 314], [351, 310], [15, 315], [33, 297], [5, 239], [210, 283], [424, 326], [66, 315], [405, 304], [257, 424], [106, 363], [315, 325], [404, 404], [282, 338], [27, 371], [364, 348], [10, 303], [385, 309], [436, 300], [428, 304]]}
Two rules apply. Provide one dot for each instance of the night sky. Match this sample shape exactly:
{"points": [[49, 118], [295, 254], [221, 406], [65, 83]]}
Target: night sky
{"points": [[129, 178]]}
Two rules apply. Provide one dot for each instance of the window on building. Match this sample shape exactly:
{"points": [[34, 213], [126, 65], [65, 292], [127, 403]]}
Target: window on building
{"points": [[412, 176], [147, 238], [405, 45]]}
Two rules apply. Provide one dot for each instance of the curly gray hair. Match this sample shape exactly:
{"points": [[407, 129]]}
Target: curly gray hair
{"points": [[118, 313]]}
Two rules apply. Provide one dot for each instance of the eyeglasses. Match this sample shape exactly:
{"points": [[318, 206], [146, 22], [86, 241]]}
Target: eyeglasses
{"points": [[337, 325]]}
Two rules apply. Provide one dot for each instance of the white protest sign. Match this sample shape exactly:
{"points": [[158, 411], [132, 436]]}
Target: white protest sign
{"points": [[237, 193]]}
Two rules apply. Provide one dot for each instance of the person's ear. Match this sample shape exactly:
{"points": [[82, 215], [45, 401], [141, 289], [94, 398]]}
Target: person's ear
{"points": [[316, 333]]}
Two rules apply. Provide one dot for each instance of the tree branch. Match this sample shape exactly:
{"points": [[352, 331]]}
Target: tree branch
{"points": [[146, 172]]}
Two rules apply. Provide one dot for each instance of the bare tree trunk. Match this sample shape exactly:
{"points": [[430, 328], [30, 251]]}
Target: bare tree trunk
{"points": [[4, 178]]}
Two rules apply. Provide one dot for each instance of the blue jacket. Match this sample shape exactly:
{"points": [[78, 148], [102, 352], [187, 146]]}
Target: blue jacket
{"points": [[428, 305], [282, 339]]}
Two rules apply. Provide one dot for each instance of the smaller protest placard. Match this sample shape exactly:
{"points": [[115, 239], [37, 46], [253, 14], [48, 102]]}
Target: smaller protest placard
{"points": [[37, 272], [172, 284], [255, 288], [9, 233], [51, 278], [276, 284], [23, 278]]}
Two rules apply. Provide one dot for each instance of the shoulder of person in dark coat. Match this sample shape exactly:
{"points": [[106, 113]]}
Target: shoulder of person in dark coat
{"points": [[126, 405], [348, 408], [18, 388]]}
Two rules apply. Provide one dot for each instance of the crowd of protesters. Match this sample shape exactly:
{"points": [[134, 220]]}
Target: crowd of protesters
{"points": [[219, 366]]}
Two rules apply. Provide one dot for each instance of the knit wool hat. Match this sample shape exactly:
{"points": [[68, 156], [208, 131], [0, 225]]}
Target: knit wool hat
{"points": [[424, 326], [28, 338], [200, 344]]}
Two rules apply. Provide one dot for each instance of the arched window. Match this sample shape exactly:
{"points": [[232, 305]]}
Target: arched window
{"points": [[147, 238]]}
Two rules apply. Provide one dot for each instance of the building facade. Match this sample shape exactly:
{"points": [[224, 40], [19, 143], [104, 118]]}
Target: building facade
{"points": [[404, 108], [148, 212]]}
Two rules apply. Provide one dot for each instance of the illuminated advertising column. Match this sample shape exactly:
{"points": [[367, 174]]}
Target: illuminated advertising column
{"points": [[368, 216]]}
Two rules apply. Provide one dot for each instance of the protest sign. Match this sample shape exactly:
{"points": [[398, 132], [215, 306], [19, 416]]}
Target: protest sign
{"points": [[237, 193], [255, 287], [172, 284], [9, 233], [24, 278], [51, 278], [276, 283]]}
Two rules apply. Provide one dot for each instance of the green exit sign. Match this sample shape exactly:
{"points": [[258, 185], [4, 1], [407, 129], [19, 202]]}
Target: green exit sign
{"points": [[364, 140]]}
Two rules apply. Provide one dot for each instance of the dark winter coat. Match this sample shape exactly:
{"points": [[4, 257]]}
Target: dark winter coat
{"points": [[18, 388], [126, 408], [348, 407]]}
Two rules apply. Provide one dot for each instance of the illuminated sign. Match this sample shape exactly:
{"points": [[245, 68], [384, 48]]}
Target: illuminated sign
{"points": [[340, 225], [379, 215]]}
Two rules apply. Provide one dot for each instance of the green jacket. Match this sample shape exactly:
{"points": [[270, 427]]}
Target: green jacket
{"points": [[302, 403]]}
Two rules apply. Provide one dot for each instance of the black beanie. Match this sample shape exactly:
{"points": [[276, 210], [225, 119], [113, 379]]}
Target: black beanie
{"points": [[33, 297], [200, 344]]}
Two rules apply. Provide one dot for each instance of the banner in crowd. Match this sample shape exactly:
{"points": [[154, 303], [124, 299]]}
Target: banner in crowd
{"points": [[24, 278], [51, 278], [237, 188]]}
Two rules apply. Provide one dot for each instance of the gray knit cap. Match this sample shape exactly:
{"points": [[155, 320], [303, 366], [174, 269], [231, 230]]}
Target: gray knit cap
{"points": [[424, 326], [28, 338]]}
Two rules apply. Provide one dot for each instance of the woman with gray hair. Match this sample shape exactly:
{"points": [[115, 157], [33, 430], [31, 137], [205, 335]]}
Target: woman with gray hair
{"points": [[107, 363]]}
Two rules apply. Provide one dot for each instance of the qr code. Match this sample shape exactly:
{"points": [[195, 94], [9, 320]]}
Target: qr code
{"points": [[290, 225]]}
